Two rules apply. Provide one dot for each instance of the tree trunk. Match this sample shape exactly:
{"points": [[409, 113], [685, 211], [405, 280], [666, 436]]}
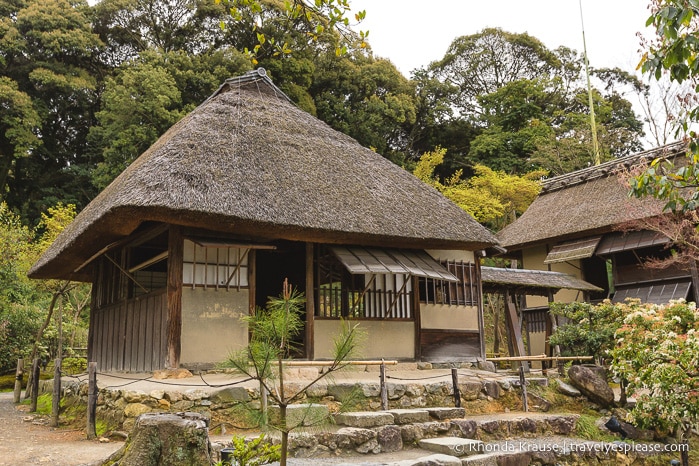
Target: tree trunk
{"points": [[166, 439], [40, 333]]}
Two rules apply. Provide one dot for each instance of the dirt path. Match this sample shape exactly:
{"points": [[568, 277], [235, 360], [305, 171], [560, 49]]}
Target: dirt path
{"points": [[26, 439]]}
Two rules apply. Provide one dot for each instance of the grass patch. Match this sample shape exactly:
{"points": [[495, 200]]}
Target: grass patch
{"points": [[587, 429]]}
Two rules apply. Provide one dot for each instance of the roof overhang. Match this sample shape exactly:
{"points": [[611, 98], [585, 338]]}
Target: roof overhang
{"points": [[571, 250], [654, 293], [358, 260], [626, 241], [531, 281]]}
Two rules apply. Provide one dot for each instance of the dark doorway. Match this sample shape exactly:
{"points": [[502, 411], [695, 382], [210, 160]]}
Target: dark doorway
{"points": [[287, 261]]}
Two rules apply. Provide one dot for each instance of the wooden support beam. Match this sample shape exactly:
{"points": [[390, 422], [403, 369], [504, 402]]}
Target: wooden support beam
{"points": [[513, 325], [174, 296], [310, 302]]}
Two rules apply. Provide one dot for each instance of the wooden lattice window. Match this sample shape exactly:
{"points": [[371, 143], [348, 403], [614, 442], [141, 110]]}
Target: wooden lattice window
{"points": [[216, 265], [340, 294], [461, 293]]}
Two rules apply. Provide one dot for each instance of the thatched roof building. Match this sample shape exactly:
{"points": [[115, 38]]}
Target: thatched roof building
{"points": [[248, 161], [585, 202]]}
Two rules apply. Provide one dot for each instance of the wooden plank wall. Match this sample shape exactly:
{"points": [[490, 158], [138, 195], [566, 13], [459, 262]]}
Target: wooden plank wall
{"points": [[131, 336]]}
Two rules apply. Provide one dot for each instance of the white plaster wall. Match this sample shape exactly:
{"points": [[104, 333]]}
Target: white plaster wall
{"points": [[211, 324], [442, 316], [384, 339], [451, 254]]}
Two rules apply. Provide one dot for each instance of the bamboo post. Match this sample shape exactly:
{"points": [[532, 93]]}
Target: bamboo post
{"points": [[18, 379], [384, 390], [91, 400], [523, 382], [35, 385], [455, 382], [56, 398]]}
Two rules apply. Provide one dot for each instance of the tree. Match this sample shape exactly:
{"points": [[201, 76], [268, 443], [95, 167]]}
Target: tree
{"points": [[673, 55], [272, 22], [523, 107], [365, 98], [657, 352], [148, 95], [48, 91], [482, 63], [588, 329], [272, 331], [492, 198]]}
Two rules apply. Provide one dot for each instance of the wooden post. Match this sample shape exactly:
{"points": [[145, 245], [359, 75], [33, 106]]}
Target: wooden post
{"points": [[174, 296], [514, 327], [35, 385], [18, 379], [310, 303], [455, 382], [523, 383], [384, 390], [91, 400], [56, 398]]}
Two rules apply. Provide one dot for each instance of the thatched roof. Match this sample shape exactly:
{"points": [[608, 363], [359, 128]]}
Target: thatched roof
{"points": [[531, 281], [249, 162], [583, 203]]}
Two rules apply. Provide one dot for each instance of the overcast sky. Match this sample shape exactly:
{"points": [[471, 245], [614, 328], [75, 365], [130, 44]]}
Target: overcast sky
{"points": [[413, 33]]}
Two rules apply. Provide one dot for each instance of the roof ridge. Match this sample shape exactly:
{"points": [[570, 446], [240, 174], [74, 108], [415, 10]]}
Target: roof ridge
{"points": [[252, 76], [604, 169]]}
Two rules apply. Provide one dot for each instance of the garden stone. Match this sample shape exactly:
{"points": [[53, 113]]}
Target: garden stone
{"points": [[591, 385]]}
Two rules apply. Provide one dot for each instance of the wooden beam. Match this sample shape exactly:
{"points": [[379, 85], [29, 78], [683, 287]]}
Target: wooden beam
{"points": [[310, 302], [479, 287], [514, 327], [416, 316], [174, 295]]}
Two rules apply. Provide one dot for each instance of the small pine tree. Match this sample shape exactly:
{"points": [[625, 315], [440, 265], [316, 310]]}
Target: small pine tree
{"points": [[272, 331]]}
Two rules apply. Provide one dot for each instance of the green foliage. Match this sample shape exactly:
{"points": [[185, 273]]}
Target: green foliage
{"points": [[589, 328], [253, 452], [314, 19], [524, 105], [657, 352], [493, 198]]}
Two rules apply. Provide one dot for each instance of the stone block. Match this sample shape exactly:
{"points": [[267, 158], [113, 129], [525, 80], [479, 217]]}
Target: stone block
{"points": [[409, 416], [447, 413], [134, 396], [300, 415], [343, 391], [491, 388], [389, 438], [453, 446], [364, 419], [230, 395], [136, 409]]}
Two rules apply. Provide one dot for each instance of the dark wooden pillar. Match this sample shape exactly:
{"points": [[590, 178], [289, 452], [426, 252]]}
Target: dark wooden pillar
{"points": [[94, 292], [174, 296], [479, 287], [416, 318], [310, 302]]}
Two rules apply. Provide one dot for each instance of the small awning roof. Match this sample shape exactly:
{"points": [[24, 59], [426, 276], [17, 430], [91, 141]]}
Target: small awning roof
{"points": [[617, 242], [654, 293], [570, 250], [358, 260], [531, 281]]}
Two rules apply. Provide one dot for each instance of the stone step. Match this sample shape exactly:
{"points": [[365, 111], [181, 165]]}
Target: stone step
{"points": [[526, 451], [454, 446]]}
